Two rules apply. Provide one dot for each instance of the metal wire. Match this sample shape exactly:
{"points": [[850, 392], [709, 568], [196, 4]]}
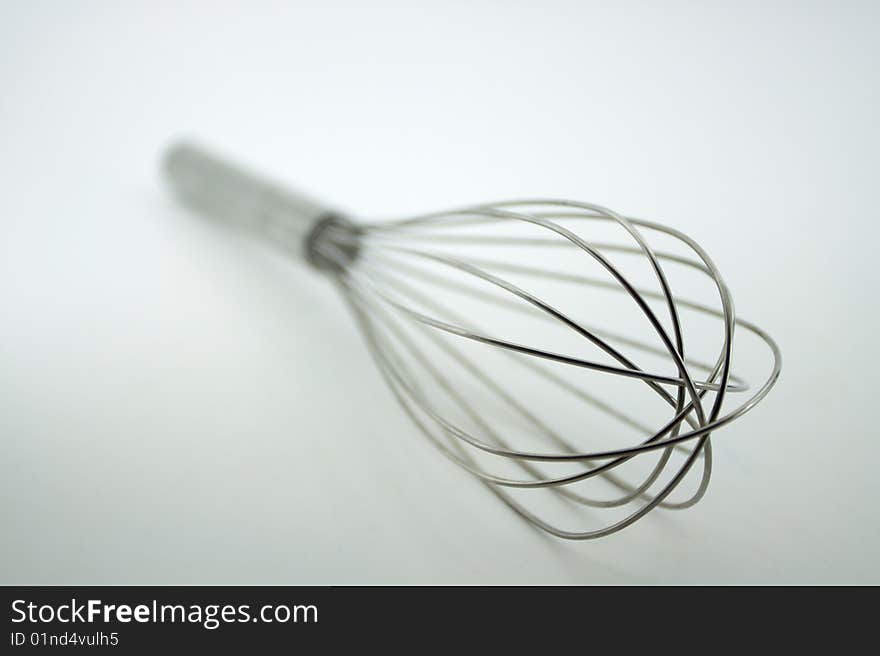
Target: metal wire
{"points": [[395, 290]]}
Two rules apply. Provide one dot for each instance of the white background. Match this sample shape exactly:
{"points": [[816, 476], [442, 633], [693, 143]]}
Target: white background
{"points": [[176, 407]]}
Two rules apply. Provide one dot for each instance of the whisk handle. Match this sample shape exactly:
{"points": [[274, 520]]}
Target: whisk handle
{"points": [[221, 190]]}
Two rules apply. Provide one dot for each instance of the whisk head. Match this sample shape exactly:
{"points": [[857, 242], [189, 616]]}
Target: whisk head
{"points": [[548, 349]]}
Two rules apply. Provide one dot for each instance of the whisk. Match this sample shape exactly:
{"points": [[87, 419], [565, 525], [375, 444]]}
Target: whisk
{"points": [[466, 313]]}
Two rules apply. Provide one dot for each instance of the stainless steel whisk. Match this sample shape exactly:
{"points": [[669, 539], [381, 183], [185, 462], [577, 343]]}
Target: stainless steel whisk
{"points": [[393, 276]]}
